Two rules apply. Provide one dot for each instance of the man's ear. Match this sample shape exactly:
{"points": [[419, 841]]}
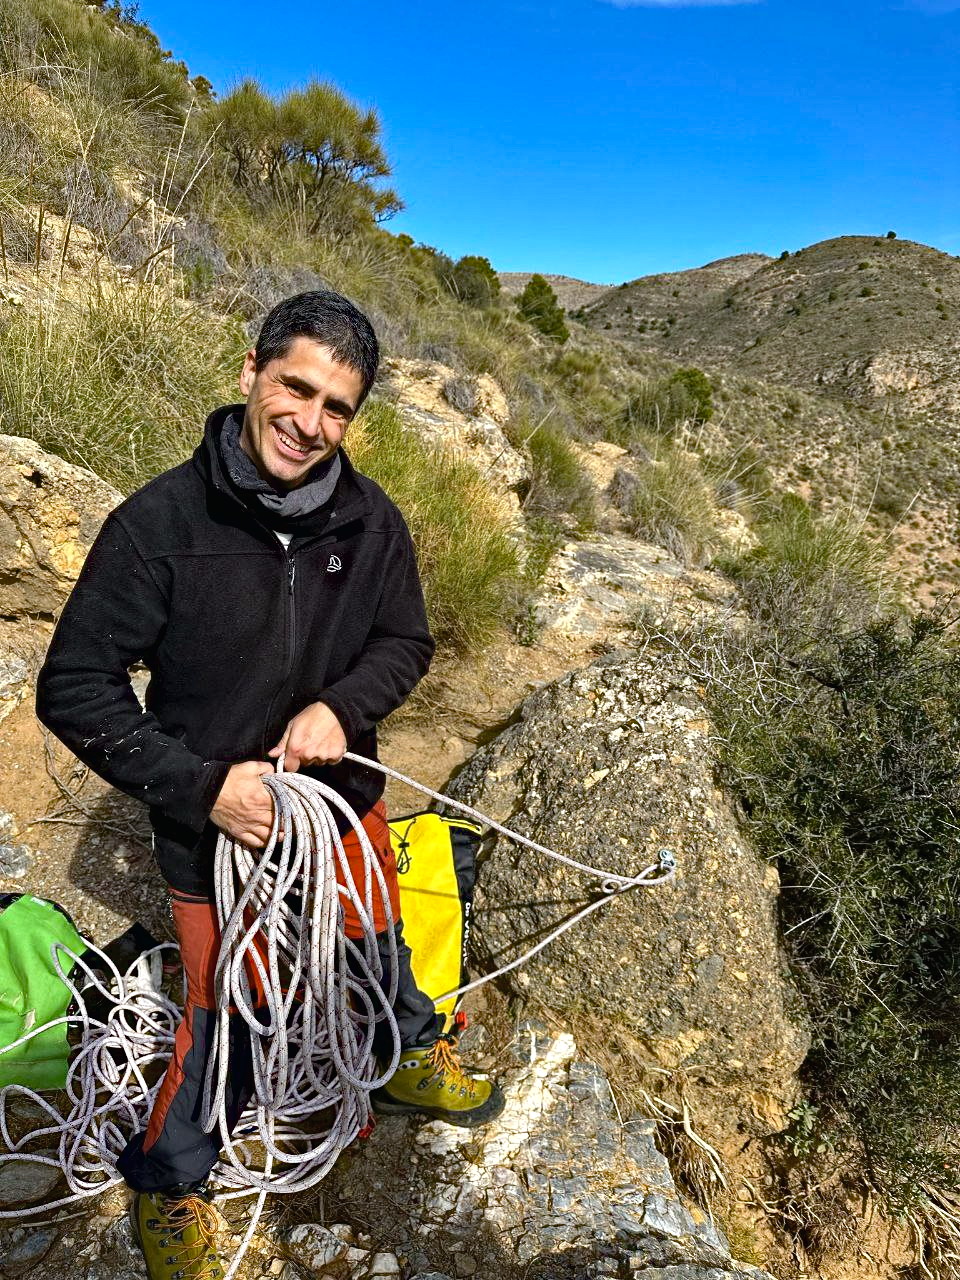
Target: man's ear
{"points": [[248, 372]]}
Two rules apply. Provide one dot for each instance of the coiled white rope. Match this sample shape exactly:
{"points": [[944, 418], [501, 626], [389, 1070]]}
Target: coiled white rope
{"points": [[281, 918]]}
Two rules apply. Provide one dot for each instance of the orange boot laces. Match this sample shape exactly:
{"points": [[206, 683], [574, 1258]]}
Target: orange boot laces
{"points": [[194, 1211], [445, 1061]]}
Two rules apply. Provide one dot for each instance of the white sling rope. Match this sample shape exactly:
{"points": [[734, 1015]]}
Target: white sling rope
{"points": [[311, 1038]]}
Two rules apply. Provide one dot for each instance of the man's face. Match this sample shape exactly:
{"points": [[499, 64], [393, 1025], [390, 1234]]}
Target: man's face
{"points": [[298, 410]]}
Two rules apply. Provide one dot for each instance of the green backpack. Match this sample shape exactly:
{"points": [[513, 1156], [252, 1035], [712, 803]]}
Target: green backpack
{"points": [[32, 992]]}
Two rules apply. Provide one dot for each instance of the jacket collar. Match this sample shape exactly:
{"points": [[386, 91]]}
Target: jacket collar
{"points": [[349, 501]]}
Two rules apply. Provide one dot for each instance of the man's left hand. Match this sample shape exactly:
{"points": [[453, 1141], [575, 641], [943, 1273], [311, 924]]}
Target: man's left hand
{"points": [[315, 736]]}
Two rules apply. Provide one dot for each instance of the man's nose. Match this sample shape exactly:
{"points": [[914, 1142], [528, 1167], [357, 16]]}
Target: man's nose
{"points": [[309, 420]]}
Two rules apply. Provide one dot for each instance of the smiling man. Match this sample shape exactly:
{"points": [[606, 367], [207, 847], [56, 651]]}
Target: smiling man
{"points": [[272, 591]]}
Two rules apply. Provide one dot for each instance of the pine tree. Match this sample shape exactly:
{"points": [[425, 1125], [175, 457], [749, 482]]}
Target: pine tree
{"points": [[538, 305]]}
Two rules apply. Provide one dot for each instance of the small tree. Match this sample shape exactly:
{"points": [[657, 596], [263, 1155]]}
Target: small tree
{"points": [[891, 235], [311, 143], [538, 305], [696, 391], [473, 280]]}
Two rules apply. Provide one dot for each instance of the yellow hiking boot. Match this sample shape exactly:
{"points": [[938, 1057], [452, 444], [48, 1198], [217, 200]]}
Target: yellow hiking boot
{"points": [[432, 1080], [177, 1235]]}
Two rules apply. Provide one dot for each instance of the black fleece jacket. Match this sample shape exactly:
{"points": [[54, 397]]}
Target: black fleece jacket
{"points": [[239, 634]]}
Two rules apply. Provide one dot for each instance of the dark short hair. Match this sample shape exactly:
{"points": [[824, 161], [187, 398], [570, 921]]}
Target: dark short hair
{"points": [[327, 318]]}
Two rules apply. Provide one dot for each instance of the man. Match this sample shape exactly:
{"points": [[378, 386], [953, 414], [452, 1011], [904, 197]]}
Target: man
{"points": [[272, 591]]}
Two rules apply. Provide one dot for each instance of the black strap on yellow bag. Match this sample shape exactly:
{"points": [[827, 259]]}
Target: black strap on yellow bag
{"points": [[437, 871]]}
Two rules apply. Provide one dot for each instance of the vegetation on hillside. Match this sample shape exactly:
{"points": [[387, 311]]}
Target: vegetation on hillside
{"points": [[539, 306], [187, 217], [837, 716]]}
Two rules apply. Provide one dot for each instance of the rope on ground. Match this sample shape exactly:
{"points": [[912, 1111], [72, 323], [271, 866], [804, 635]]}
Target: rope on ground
{"points": [[311, 1012]]}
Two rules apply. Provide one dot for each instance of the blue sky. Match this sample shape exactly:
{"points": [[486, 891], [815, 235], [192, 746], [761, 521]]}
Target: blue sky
{"points": [[608, 139]]}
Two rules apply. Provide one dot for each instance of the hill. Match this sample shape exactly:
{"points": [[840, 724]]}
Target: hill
{"points": [[874, 320], [571, 293]]}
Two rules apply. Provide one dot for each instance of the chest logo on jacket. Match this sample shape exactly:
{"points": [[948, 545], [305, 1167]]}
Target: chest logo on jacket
{"points": [[334, 564]]}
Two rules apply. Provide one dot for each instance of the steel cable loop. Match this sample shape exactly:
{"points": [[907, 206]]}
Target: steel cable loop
{"points": [[310, 997]]}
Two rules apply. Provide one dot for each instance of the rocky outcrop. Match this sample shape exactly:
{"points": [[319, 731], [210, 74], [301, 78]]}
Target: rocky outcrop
{"points": [[607, 765], [50, 512], [465, 415], [556, 1187], [602, 586]]}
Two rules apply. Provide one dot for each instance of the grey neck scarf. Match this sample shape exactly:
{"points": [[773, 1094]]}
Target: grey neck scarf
{"points": [[302, 501]]}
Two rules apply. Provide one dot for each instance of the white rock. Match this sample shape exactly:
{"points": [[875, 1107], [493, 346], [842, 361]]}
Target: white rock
{"points": [[315, 1246], [384, 1264]]}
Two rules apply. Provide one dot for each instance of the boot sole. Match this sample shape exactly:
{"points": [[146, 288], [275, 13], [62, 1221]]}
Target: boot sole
{"points": [[387, 1106]]}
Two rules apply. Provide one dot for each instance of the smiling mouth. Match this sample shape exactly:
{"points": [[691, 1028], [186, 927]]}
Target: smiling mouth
{"points": [[288, 443]]}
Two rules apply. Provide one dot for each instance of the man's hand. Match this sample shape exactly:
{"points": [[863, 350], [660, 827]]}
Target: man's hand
{"points": [[244, 807], [315, 736]]}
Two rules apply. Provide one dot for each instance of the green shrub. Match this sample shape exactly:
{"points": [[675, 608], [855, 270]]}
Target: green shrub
{"points": [[558, 482], [124, 56], [660, 406], [844, 750], [312, 145], [695, 387], [812, 573], [468, 558], [470, 279], [674, 507], [741, 477]]}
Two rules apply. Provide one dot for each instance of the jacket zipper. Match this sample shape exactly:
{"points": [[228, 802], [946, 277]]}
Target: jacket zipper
{"points": [[290, 629], [291, 608]]}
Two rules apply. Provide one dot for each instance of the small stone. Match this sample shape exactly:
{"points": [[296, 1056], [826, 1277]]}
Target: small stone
{"points": [[465, 1264], [315, 1246], [276, 1266], [343, 1231], [27, 1251], [15, 860], [23, 1181], [384, 1264]]}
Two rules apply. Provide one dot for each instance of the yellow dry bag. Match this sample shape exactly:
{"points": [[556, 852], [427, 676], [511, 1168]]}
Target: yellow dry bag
{"points": [[436, 871]]}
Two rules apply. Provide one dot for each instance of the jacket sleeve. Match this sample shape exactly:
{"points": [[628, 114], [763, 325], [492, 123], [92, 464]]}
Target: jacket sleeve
{"points": [[115, 617], [397, 652]]}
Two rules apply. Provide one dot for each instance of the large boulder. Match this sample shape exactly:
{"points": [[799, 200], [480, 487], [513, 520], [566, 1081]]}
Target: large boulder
{"points": [[607, 765], [557, 1187], [50, 513]]}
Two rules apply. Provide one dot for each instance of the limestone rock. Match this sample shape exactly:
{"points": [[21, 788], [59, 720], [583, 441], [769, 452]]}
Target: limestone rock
{"points": [[608, 765], [50, 512], [15, 860], [599, 587], [14, 683], [419, 389], [25, 1247], [555, 1186], [317, 1247]]}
